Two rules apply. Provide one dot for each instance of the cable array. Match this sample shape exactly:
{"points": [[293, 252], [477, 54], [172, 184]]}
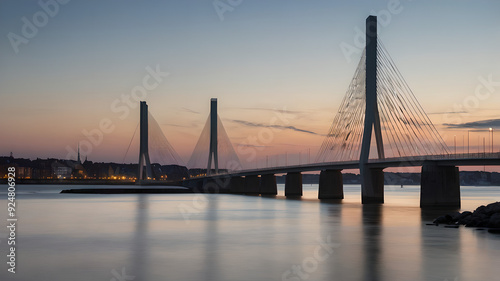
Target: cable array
{"points": [[160, 150], [406, 129], [343, 141], [228, 159]]}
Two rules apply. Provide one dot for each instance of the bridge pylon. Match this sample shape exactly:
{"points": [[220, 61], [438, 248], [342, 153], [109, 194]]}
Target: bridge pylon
{"points": [[372, 183], [213, 153], [145, 172]]}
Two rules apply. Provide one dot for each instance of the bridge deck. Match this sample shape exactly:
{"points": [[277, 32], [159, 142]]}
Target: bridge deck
{"points": [[489, 159]]}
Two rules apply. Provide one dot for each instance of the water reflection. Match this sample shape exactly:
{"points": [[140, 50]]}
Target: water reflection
{"points": [[372, 225], [140, 248], [428, 215], [330, 225], [441, 247], [211, 240], [245, 238]]}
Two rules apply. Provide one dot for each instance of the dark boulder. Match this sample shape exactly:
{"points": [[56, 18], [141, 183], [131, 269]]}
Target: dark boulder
{"points": [[483, 216], [455, 216], [493, 208], [444, 220], [465, 218], [494, 221]]}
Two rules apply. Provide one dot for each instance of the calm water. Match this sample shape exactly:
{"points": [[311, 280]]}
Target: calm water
{"points": [[230, 237]]}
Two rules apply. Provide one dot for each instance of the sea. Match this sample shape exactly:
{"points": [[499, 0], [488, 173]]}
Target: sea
{"points": [[218, 237]]}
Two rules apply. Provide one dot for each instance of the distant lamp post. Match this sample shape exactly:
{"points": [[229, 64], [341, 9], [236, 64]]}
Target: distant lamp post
{"points": [[468, 136], [491, 131], [484, 147], [455, 143]]}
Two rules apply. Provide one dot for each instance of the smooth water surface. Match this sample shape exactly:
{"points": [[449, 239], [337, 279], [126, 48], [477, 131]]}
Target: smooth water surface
{"points": [[234, 237]]}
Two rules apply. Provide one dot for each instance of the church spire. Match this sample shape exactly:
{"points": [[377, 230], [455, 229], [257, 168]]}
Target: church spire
{"points": [[79, 162]]}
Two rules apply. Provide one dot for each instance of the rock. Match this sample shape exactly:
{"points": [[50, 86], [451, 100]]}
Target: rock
{"points": [[483, 222], [480, 210], [441, 219], [474, 222], [449, 219], [494, 221], [464, 215], [465, 220], [492, 208], [494, 230], [483, 216], [454, 216]]}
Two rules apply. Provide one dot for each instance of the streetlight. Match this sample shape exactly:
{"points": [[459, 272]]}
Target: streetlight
{"points": [[484, 147], [478, 145], [491, 131], [468, 135], [455, 142]]}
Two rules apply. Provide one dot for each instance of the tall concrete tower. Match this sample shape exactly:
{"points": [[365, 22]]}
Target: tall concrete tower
{"points": [[372, 182], [213, 138], [146, 173]]}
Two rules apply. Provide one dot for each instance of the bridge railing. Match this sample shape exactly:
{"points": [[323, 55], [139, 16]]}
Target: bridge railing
{"points": [[477, 155]]}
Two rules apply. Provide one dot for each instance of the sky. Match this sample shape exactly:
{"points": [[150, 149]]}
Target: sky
{"points": [[70, 70]]}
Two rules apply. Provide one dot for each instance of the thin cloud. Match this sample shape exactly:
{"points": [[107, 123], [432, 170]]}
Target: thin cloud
{"points": [[259, 125], [296, 145], [448, 112], [483, 124], [190, 110], [250, 145], [271, 109], [193, 125]]}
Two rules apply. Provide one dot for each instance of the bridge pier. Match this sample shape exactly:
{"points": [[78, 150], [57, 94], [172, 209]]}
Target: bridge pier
{"points": [[252, 185], [236, 184], [210, 185], [331, 185], [268, 185], [372, 187], [293, 184], [439, 186]]}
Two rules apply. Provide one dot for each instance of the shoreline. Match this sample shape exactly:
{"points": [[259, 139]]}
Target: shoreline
{"points": [[159, 183]]}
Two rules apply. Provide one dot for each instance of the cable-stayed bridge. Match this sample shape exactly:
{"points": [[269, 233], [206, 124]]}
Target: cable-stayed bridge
{"points": [[379, 124]]}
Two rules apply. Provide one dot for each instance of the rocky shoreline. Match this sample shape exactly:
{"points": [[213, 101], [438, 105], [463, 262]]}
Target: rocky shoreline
{"points": [[484, 216]]}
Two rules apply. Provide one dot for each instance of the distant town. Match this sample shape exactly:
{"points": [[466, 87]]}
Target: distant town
{"points": [[40, 170], [52, 170]]}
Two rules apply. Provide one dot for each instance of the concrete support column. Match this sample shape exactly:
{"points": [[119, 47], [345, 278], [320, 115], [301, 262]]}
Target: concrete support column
{"points": [[331, 185], [268, 184], [293, 184], [252, 185], [372, 189], [236, 185], [439, 186], [210, 185]]}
